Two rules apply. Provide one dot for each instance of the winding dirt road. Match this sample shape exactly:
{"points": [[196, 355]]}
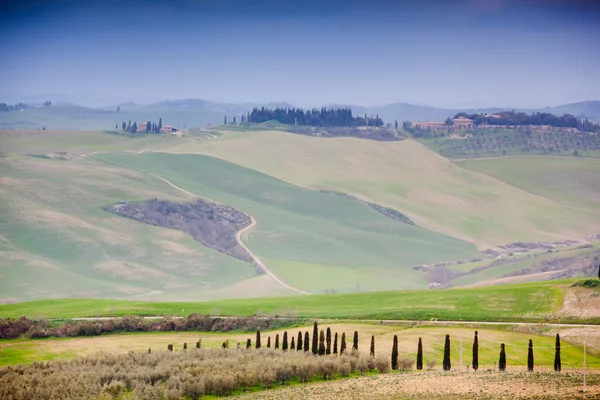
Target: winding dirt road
{"points": [[238, 236]]}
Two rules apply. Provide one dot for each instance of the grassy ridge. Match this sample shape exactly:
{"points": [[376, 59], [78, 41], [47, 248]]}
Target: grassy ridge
{"points": [[303, 228], [533, 302], [407, 176]]}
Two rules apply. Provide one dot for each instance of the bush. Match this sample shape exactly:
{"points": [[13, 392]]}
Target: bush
{"points": [[382, 364], [406, 364]]}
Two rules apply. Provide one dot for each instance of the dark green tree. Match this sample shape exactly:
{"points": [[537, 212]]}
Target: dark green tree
{"points": [[335, 341], [420, 355], [148, 126], [293, 344], [448, 121], [315, 339], [502, 360], [277, 341], [268, 342], [598, 271], [134, 127], [185, 346], [199, 343], [299, 346], [284, 345], [328, 340], [225, 121], [159, 127], [355, 342], [475, 352], [530, 361], [124, 126], [116, 126], [343, 343], [306, 341], [372, 349], [248, 343], [395, 353], [396, 124], [258, 339], [322, 343], [447, 364], [557, 362]]}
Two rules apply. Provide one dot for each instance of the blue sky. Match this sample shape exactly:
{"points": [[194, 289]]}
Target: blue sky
{"points": [[454, 53]]}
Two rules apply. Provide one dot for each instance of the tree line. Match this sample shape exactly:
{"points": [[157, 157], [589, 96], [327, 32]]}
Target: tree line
{"points": [[11, 107], [151, 127], [324, 117], [536, 119]]}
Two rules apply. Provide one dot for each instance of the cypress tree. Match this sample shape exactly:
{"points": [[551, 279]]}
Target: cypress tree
{"points": [[185, 346], [277, 341], [299, 346], [420, 355], [502, 360], [284, 346], [159, 127], [322, 343], [258, 339], [557, 363], [224, 345], [395, 353], [149, 350], [248, 343], [199, 343], [530, 356], [335, 341], [328, 339], [355, 342], [293, 344], [268, 342], [315, 339], [372, 350], [475, 352], [306, 341], [225, 121], [343, 343], [447, 364], [124, 126]]}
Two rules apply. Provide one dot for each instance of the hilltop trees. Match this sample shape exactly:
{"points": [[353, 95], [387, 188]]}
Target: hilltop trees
{"points": [[315, 338], [143, 127], [325, 117]]}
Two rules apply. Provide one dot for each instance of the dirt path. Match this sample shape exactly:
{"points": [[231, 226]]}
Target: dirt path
{"points": [[238, 236]]}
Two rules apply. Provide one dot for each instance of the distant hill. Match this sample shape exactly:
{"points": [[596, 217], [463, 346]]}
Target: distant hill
{"points": [[187, 113]]}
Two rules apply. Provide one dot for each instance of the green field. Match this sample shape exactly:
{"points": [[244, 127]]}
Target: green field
{"points": [[531, 302], [572, 181], [432, 191], [304, 232]]}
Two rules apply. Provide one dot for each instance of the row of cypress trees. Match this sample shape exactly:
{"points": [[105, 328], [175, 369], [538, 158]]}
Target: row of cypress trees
{"points": [[322, 345]]}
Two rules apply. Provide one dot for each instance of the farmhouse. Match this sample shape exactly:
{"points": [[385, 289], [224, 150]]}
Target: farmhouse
{"points": [[142, 126], [463, 123], [168, 129]]}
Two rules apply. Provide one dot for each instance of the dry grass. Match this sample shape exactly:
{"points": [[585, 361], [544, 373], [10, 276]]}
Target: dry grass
{"points": [[430, 385]]}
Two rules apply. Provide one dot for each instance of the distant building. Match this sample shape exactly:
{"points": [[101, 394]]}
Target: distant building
{"points": [[434, 126], [168, 129], [142, 126], [463, 123]]}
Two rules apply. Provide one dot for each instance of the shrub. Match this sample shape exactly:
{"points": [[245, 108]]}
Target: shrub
{"points": [[193, 388], [266, 377], [406, 364], [382, 364], [431, 364]]}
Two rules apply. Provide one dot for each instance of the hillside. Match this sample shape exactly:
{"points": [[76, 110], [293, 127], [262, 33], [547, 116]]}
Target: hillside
{"points": [[406, 176], [188, 113]]}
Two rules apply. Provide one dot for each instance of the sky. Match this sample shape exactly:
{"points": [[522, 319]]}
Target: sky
{"points": [[443, 53]]}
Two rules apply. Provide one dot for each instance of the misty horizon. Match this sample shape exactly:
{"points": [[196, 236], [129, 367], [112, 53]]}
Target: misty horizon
{"points": [[454, 54]]}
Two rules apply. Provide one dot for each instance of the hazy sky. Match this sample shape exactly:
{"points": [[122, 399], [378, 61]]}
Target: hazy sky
{"points": [[450, 53]]}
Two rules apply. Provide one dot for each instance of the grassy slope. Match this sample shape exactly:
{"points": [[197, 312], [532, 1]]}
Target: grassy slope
{"points": [[26, 351], [571, 181], [524, 302], [434, 192], [315, 241]]}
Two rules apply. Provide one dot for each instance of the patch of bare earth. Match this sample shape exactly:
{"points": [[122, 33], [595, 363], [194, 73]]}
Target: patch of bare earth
{"points": [[581, 302], [128, 271], [438, 385]]}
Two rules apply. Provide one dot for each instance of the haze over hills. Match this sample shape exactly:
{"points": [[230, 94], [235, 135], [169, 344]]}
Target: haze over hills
{"points": [[194, 112]]}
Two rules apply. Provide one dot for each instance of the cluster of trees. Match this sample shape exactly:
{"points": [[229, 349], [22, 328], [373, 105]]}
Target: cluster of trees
{"points": [[212, 224], [47, 103], [151, 127], [324, 117], [11, 107], [519, 119], [11, 328]]}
